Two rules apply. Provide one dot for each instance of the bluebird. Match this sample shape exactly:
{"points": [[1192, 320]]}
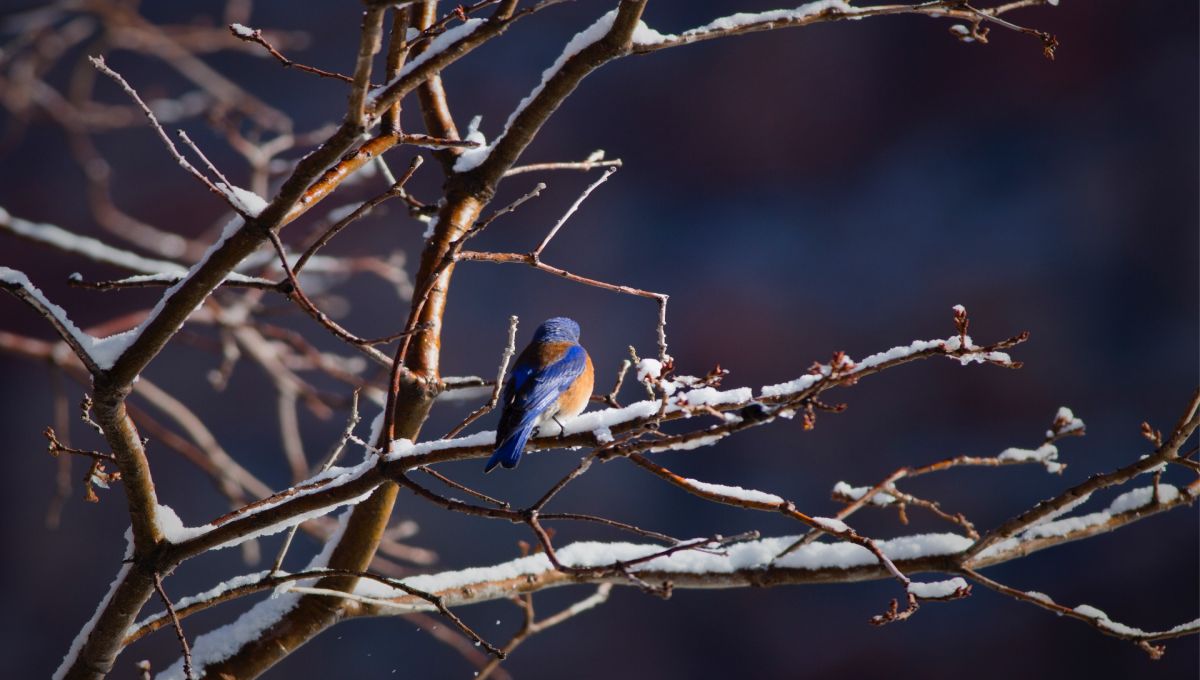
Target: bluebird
{"points": [[552, 378]]}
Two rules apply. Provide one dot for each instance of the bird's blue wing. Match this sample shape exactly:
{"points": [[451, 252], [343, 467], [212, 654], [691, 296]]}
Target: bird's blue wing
{"points": [[528, 393], [516, 380], [544, 387]]}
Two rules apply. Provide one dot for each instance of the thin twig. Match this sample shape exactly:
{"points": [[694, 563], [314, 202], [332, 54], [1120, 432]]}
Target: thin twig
{"points": [[255, 36], [56, 447], [297, 293], [361, 211], [183, 136], [187, 652], [351, 423], [536, 253], [582, 166], [372, 31], [537, 263], [62, 485], [1099, 623], [510, 348], [532, 627], [101, 66], [534, 193]]}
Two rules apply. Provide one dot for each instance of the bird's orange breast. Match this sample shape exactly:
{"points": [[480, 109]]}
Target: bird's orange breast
{"points": [[575, 399]]}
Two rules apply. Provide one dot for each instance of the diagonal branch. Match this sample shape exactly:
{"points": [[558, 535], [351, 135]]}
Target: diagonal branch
{"points": [[255, 36], [1095, 618], [1168, 450], [81, 343], [187, 652]]}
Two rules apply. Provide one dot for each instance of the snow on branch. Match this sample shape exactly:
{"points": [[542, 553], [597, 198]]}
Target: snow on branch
{"points": [[222, 642], [1094, 617], [687, 396], [97, 354], [471, 159], [435, 48], [93, 249], [441, 51], [746, 563], [886, 494], [649, 40], [762, 562], [153, 272], [337, 486]]}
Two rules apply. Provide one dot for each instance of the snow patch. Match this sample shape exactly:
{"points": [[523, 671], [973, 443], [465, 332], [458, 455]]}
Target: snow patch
{"points": [[734, 492], [938, 590]]}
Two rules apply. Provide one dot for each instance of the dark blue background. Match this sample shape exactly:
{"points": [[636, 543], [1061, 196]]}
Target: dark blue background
{"points": [[837, 187]]}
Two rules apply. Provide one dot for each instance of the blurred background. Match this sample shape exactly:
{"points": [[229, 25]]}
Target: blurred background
{"points": [[836, 187]]}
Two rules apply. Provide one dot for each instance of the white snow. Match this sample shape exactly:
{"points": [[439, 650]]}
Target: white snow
{"points": [[246, 201], [435, 47], [170, 279], [1137, 498], [82, 636], [734, 492], [1126, 502], [831, 524], [466, 393], [172, 527], [90, 248], [1070, 422], [337, 476], [792, 386], [431, 226], [644, 35], [682, 400], [103, 351], [711, 396], [689, 444], [472, 158], [963, 33], [850, 367], [735, 21], [759, 554], [1040, 597], [206, 596], [1064, 509], [649, 368], [1101, 619], [1046, 454], [1063, 527], [176, 532], [403, 448], [609, 417], [856, 492], [937, 590], [116, 345], [223, 642]]}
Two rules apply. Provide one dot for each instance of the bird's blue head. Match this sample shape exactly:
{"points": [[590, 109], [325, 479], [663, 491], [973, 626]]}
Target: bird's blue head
{"points": [[558, 329]]}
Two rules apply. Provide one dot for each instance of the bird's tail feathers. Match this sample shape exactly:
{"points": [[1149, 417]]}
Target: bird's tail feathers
{"points": [[508, 453]]}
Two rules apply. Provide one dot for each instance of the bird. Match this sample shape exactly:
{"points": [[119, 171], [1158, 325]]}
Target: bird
{"points": [[552, 378]]}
